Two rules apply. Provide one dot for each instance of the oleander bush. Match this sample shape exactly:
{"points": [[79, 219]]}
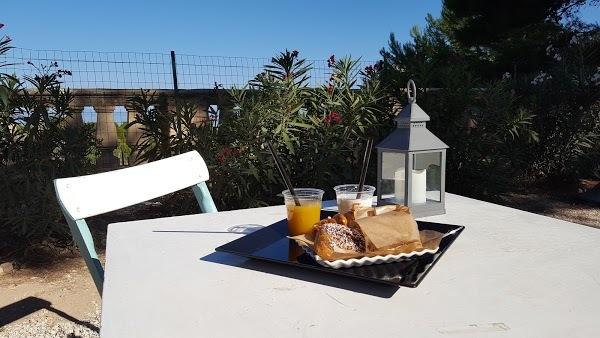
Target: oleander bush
{"points": [[565, 96], [320, 133], [37, 145]]}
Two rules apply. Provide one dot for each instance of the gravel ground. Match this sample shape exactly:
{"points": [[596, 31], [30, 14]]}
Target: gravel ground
{"points": [[39, 325], [57, 301], [558, 203]]}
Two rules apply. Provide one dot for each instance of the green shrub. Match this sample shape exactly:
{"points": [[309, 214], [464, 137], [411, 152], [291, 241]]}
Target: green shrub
{"points": [[565, 97], [123, 151], [319, 132], [505, 128], [483, 123], [38, 145]]}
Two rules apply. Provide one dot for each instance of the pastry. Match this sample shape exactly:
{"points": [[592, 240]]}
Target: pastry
{"points": [[349, 216], [338, 238], [340, 219], [366, 232], [337, 218], [320, 223]]}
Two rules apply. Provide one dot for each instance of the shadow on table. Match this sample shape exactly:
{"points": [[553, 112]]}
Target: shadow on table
{"points": [[29, 305], [243, 229], [352, 284]]}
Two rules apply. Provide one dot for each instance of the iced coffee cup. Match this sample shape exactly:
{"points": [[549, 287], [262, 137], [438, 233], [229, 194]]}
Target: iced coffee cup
{"points": [[304, 211], [349, 194]]}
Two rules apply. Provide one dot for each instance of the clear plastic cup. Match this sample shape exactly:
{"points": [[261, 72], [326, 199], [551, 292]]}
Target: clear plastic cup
{"points": [[301, 218], [348, 195]]}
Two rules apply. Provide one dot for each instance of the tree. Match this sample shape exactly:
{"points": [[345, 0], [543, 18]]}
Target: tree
{"points": [[481, 22], [520, 103], [513, 34], [432, 49]]}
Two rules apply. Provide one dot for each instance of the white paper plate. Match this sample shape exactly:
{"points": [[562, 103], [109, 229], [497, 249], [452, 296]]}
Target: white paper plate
{"points": [[348, 263]]}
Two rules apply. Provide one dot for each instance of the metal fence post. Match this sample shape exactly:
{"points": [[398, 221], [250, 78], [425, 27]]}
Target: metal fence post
{"points": [[174, 67], [177, 103]]}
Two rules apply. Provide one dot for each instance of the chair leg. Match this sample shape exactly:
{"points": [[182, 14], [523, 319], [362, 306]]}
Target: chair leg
{"points": [[85, 243], [204, 198]]}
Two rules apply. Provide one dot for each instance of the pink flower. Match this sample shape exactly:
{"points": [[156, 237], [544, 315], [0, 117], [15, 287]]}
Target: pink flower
{"points": [[330, 89], [1, 25], [8, 38], [220, 158], [294, 53], [331, 61], [236, 152], [333, 117], [225, 150]]}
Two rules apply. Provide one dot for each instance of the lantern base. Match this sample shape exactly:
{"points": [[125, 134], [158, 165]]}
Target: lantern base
{"points": [[418, 210], [425, 213]]}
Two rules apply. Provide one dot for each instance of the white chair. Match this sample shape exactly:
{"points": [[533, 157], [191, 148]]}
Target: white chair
{"points": [[91, 195]]}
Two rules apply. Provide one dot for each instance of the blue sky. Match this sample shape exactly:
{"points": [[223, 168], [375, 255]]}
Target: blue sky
{"points": [[317, 29]]}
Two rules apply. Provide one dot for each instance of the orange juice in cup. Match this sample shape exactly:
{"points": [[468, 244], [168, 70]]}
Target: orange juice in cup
{"points": [[304, 211]]}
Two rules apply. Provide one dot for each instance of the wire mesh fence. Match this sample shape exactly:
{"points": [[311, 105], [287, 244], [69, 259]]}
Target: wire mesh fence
{"points": [[132, 70], [102, 82]]}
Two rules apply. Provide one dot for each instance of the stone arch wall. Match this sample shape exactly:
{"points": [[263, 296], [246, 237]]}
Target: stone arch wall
{"points": [[104, 102]]}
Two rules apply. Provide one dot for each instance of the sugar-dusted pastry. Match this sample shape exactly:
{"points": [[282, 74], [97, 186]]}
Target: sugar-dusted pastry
{"points": [[317, 225], [332, 237]]}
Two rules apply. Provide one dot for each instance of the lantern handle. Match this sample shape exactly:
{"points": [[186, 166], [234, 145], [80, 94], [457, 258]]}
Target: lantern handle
{"points": [[411, 85]]}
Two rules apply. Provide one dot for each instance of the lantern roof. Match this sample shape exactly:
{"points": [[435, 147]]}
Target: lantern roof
{"points": [[412, 139], [412, 113], [412, 133]]}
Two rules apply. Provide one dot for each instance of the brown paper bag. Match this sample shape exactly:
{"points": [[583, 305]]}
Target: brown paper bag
{"points": [[392, 230]]}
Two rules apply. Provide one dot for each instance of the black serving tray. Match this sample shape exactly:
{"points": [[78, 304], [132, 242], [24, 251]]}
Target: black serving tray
{"points": [[271, 244]]}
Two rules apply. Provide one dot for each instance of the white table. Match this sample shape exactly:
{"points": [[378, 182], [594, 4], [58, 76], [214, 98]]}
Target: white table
{"points": [[509, 274]]}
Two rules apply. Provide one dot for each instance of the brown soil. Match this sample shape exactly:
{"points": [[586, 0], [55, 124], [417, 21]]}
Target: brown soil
{"points": [[64, 290], [562, 202]]}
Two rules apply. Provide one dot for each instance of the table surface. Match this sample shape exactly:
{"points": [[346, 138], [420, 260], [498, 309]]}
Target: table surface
{"points": [[510, 273]]}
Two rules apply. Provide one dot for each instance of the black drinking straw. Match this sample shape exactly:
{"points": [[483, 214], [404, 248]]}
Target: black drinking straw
{"points": [[285, 176], [363, 173]]}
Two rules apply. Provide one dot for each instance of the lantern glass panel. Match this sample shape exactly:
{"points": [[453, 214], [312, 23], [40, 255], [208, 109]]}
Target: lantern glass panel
{"points": [[427, 177], [392, 185]]}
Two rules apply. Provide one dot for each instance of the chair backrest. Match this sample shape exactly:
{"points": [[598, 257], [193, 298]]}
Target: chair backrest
{"points": [[85, 196]]}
